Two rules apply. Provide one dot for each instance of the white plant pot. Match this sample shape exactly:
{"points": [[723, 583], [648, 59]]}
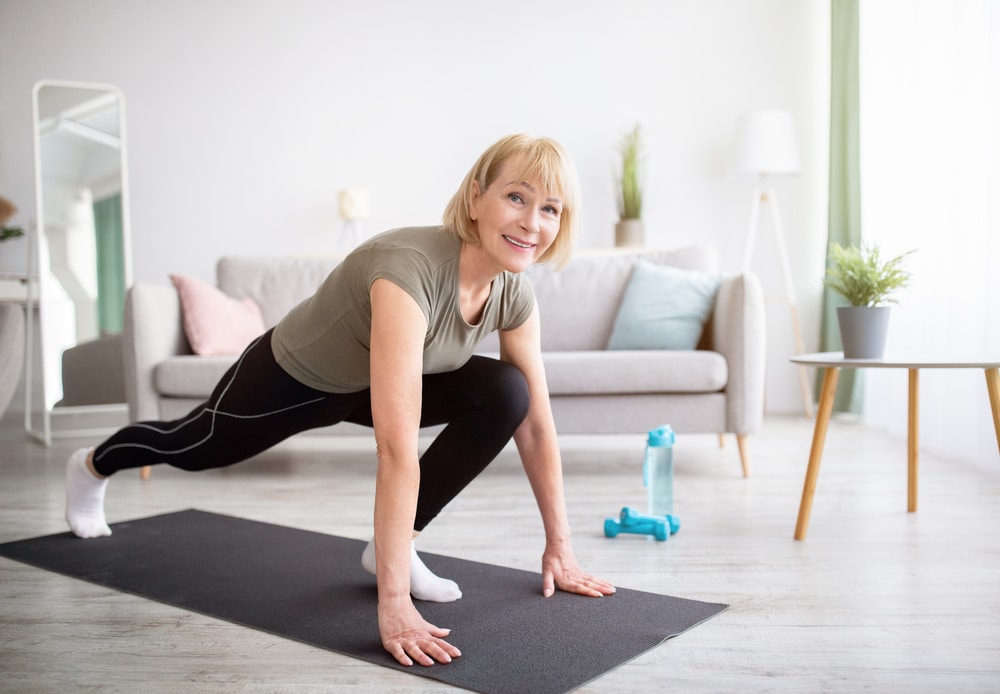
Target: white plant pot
{"points": [[629, 232], [863, 330]]}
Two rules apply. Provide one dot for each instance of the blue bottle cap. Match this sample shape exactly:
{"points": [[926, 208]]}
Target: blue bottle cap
{"points": [[661, 436]]}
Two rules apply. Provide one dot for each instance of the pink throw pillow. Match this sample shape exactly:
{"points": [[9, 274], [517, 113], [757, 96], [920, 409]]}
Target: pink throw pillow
{"points": [[216, 324]]}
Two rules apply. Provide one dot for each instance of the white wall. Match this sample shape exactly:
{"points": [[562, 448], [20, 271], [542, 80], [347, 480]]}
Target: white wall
{"points": [[246, 117]]}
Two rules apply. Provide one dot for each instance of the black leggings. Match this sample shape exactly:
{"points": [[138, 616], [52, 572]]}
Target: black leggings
{"points": [[257, 404]]}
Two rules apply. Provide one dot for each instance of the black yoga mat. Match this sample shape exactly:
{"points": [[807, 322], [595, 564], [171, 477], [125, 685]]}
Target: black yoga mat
{"points": [[310, 587]]}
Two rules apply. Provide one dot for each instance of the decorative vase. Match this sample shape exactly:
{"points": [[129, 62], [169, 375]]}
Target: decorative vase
{"points": [[863, 330], [629, 232]]}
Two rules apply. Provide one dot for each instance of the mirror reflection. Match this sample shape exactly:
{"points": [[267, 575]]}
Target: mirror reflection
{"points": [[82, 242]]}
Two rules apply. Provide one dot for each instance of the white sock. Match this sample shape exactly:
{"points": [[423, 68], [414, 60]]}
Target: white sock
{"points": [[85, 498], [424, 584]]}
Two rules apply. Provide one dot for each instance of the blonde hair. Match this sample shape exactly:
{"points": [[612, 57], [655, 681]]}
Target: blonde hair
{"points": [[539, 159]]}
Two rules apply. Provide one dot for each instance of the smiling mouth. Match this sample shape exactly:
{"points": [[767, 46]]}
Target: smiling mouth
{"points": [[519, 244]]}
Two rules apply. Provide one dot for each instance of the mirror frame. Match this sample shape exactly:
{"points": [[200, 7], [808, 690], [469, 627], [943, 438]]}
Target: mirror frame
{"points": [[38, 254]]}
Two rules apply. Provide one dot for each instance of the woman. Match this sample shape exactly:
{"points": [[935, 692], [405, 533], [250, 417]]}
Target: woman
{"points": [[388, 341]]}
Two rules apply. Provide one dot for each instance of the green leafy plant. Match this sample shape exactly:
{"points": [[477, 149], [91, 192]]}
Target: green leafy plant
{"points": [[861, 276], [10, 233], [630, 186]]}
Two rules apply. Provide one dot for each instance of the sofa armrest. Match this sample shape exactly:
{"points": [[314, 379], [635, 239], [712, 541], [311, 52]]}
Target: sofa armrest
{"points": [[153, 330], [739, 333]]}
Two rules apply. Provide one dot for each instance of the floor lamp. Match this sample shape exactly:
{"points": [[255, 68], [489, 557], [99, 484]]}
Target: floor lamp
{"points": [[766, 148], [353, 205]]}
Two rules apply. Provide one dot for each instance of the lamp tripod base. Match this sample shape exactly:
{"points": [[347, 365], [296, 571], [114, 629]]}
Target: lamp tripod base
{"points": [[768, 196]]}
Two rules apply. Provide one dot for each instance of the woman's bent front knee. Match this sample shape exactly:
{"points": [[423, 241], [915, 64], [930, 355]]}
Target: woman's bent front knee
{"points": [[506, 390]]}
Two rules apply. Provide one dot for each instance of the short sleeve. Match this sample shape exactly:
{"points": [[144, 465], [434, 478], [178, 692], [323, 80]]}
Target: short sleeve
{"points": [[409, 271], [517, 301]]}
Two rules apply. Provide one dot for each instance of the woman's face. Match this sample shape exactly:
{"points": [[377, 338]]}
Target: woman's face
{"points": [[517, 220]]}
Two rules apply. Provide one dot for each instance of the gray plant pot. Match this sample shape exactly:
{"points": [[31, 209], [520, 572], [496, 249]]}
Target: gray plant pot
{"points": [[863, 330]]}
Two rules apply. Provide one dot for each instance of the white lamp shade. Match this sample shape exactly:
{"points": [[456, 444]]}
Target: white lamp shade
{"points": [[766, 143], [354, 204]]}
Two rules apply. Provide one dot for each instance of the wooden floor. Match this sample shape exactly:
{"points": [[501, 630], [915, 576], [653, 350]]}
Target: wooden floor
{"points": [[875, 599]]}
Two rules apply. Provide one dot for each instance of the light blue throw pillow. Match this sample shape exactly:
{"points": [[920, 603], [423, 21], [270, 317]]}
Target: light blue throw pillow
{"points": [[663, 308]]}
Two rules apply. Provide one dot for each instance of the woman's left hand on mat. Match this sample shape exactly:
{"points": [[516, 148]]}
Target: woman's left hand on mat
{"points": [[560, 570]]}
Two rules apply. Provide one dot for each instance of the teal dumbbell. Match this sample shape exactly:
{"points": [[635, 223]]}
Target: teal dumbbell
{"points": [[656, 528], [630, 516]]}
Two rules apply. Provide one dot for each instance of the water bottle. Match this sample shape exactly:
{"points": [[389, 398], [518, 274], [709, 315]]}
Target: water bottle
{"points": [[658, 470]]}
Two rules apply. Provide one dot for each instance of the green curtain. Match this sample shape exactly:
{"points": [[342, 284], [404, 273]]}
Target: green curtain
{"points": [[844, 217], [110, 264]]}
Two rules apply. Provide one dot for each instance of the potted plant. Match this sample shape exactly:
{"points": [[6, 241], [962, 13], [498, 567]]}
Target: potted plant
{"points": [[629, 230], [867, 281], [7, 210]]}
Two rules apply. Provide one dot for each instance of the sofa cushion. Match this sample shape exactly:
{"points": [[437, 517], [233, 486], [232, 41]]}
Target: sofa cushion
{"points": [[276, 284], [214, 323], [190, 376], [630, 372], [568, 373], [663, 308], [578, 304], [645, 371]]}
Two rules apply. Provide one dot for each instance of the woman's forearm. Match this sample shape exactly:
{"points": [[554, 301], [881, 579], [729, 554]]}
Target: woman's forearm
{"points": [[539, 451], [398, 329], [396, 484]]}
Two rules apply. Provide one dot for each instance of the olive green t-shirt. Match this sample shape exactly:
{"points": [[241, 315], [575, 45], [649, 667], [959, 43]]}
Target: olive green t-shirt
{"points": [[325, 341]]}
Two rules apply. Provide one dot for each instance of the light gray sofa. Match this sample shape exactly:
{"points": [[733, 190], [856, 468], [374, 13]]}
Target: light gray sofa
{"points": [[718, 388]]}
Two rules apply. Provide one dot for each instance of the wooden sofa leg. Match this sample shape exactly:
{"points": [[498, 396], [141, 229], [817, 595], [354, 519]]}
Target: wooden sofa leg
{"points": [[741, 443], [722, 440], [144, 472]]}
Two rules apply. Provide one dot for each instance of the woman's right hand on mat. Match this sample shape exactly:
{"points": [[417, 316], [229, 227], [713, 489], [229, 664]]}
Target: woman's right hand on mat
{"points": [[409, 638]]}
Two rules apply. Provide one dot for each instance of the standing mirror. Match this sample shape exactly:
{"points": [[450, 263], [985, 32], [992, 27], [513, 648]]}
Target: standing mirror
{"points": [[80, 253]]}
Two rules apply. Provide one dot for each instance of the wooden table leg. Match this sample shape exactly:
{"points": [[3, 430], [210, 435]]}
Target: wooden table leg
{"points": [[912, 450], [993, 386], [826, 396]]}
